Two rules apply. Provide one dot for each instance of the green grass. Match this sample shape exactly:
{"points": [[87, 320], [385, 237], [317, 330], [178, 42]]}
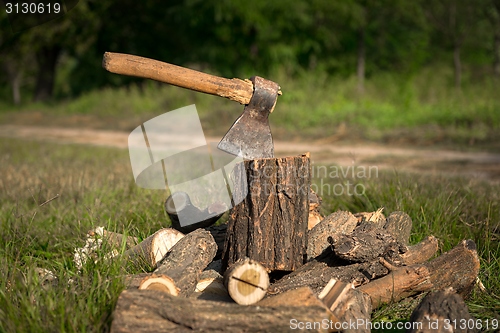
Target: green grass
{"points": [[96, 188], [425, 107]]}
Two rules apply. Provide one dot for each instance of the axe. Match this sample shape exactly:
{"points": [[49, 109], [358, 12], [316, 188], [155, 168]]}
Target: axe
{"points": [[250, 135]]}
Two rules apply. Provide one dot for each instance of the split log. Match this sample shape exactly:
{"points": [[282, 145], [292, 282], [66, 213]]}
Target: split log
{"points": [[314, 214], [154, 248], [348, 305], [211, 287], [246, 281], [457, 269], [187, 259], [149, 311], [336, 223], [269, 225], [377, 217], [442, 311], [317, 273]]}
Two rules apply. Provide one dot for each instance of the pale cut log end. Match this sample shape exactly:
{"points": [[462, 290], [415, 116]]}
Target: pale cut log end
{"points": [[160, 283], [247, 282]]}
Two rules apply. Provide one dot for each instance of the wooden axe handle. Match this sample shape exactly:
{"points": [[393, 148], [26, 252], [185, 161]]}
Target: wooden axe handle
{"points": [[235, 89]]}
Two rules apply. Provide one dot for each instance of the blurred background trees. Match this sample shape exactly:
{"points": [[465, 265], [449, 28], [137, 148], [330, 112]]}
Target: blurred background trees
{"points": [[360, 38]]}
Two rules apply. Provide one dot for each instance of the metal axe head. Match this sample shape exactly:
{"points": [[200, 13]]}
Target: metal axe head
{"points": [[250, 136]]}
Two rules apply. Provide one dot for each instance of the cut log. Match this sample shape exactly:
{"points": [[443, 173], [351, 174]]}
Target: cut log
{"points": [[365, 243], [187, 259], [457, 269], [317, 273], [334, 292], [442, 312], [154, 248], [299, 297], [150, 311], [114, 239], [269, 225], [159, 282], [337, 223], [211, 287], [399, 225], [246, 281]]}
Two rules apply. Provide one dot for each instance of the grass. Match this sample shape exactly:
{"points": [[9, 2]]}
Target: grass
{"points": [[423, 108], [95, 188]]}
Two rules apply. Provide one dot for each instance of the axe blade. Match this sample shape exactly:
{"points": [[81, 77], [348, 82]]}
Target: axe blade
{"points": [[250, 136]]}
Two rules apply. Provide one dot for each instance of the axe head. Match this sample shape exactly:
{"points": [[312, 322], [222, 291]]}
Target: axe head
{"points": [[250, 136]]}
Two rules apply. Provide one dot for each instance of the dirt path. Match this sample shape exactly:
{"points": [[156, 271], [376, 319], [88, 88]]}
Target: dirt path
{"points": [[472, 164]]}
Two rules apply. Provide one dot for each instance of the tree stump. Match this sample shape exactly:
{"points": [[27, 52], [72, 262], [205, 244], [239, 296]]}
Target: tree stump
{"points": [[269, 225]]}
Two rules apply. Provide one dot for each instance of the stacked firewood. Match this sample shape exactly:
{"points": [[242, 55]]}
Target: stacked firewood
{"points": [[272, 268]]}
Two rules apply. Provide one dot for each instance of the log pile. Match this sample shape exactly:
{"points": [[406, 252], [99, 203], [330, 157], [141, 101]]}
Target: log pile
{"points": [[273, 268]]}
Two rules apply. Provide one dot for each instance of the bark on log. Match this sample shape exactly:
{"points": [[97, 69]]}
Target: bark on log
{"points": [[187, 259], [219, 234], [442, 311], [149, 311], [246, 281], [457, 269], [154, 248], [399, 225], [318, 272], [269, 225], [336, 223], [365, 243]]}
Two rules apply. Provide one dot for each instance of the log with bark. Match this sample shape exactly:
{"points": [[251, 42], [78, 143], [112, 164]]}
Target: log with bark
{"points": [[269, 225], [187, 259], [151, 311], [318, 272], [246, 281], [153, 249], [442, 311]]}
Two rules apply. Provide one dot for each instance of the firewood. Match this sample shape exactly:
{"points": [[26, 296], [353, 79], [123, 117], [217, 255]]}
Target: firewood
{"points": [[211, 287], [376, 217], [317, 273], [365, 243], [314, 214], [246, 281], [348, 305], [151, 311], [187, 259], [399, 225], [336, 223], [114, 239], [159, 282], [219, 234], [442, 311], [457, 268], [299, 297], [154, 248], [269, 225]]}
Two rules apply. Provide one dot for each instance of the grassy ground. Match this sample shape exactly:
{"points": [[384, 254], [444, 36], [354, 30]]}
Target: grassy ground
{"points": [[419, 109], [96, 188]]}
